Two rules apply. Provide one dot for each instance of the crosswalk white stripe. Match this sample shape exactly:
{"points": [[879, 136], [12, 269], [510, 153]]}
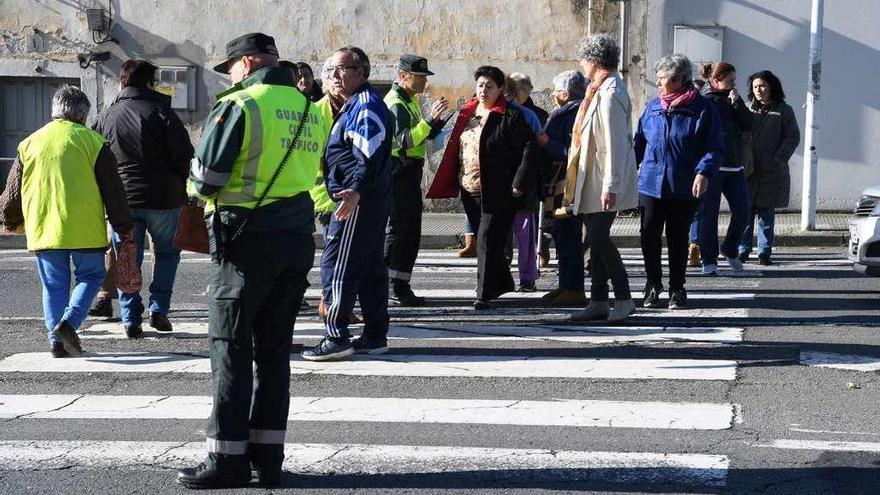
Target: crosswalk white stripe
{"points": [[559, 465], [850, 362], [470, 294], [569, 413], [584, 334], [397, 365], [824, 445]]}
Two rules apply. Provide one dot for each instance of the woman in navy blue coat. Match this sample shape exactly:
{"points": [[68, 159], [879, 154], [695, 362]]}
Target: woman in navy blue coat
{"points": [[679, 145]]}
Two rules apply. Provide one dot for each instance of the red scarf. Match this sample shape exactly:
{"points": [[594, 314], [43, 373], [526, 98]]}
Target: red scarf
{"points": [[597, 81], [683, 97], [445, 183]]}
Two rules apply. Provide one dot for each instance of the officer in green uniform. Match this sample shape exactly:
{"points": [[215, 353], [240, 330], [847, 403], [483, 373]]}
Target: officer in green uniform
{"points": [[259, 276], [408, 157]]}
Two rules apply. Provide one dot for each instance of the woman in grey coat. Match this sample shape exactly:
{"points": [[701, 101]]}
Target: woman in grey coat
{"points": [[775, 135]]}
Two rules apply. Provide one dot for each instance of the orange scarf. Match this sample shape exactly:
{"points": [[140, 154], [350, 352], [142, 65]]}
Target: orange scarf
{"points": [[597, 81]]}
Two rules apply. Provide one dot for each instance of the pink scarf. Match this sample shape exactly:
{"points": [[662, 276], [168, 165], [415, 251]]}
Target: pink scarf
{"points": [[683, 97]]}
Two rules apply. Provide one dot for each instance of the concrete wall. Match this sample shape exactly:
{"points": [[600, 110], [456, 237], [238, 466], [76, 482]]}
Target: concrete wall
{"points": [[775, 35]]}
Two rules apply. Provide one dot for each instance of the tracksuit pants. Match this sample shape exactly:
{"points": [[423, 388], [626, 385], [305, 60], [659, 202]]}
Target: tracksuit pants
{"points": [[404, 232], [254, 298], [353, 267]]}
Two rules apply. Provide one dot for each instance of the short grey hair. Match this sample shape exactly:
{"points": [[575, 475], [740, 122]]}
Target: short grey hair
{"points": [[360, 58], [600, 49], [675, 65], [70, 103], [571, 81], [522, 82]]}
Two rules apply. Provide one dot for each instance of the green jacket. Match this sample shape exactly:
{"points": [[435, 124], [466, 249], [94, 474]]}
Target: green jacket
{"points": [[410, 129]]}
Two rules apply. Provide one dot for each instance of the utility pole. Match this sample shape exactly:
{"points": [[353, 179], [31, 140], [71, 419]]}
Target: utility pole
{"points": [[811, 157]]}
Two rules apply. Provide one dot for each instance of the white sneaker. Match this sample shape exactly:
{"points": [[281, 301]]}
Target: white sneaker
{"points": [[594, 311], [711, 269], [622, 309], [735, 264]]}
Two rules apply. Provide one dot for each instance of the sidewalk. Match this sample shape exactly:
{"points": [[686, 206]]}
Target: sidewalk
{"points": [[444, 230]]}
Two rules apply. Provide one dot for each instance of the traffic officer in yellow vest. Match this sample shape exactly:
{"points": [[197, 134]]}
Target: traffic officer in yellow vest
{"points": [[61, 183], [257, 159], [408, 157]]}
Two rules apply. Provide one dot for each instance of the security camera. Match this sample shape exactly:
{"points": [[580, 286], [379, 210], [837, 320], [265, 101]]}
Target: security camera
{"points": [[38, 69], [83, 59]]}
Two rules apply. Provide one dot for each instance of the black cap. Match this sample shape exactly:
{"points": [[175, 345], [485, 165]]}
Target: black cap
{"points": [[249, 44], [414, 64]]}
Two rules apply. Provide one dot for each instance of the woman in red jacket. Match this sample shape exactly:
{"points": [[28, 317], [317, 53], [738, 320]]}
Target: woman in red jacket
{"points": [[488, 164]]}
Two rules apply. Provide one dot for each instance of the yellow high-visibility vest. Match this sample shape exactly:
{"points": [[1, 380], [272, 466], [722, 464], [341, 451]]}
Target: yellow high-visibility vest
{"points": [[61, 202]]}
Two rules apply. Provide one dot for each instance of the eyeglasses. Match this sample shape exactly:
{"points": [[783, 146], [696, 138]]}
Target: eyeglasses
{"points": [[339, 69]]}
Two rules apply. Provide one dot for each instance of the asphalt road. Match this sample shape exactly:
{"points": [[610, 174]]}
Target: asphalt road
{"points": [[724, 397]]}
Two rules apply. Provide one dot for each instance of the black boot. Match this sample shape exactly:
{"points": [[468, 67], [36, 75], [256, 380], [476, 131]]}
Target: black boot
{"points": [[218, 471], [402, 294], [266, 460]]}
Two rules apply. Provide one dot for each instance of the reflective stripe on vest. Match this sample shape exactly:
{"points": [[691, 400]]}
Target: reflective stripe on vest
{"points": [[61, 202], [272, 115], [418, 130]]}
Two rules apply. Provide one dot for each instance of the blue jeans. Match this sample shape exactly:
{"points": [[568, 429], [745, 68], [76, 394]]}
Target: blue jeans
{"points": [[59, 303], [694, 233], [766, 218], [162, 225], [735, 189], [570, 251]]}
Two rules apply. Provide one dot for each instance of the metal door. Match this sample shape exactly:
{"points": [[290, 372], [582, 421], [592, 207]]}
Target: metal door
{"points": [[25, 106]]}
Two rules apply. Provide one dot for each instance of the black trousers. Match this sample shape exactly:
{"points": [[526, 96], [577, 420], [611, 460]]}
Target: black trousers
{"points": [[493, 234], [605, 261], [254, 298], [676, 216], [404, 232]]}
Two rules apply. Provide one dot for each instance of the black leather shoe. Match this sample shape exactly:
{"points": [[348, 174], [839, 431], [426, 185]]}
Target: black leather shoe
{"points": [[69, 338], [205, 476], [102, 308], [133, 331], [481, 305], [160, 322], [402, 295], [764, 260], [58, 350]]}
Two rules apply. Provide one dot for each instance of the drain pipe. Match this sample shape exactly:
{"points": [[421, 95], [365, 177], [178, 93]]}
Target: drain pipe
{"points": [[624, 29]]}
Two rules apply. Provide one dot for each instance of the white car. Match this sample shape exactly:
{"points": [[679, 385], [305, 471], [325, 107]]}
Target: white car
{"points": [[864, 233]]}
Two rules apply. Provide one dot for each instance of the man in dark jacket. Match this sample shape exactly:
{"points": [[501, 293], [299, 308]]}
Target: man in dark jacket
{"points": [[153, 150], [555, 139]]}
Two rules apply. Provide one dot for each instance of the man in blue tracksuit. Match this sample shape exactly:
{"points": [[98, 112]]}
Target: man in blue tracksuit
{"points": [[357, 171]]}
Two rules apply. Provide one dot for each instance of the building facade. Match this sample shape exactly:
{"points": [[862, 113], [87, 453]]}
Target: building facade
{"points": [[52, 42]]}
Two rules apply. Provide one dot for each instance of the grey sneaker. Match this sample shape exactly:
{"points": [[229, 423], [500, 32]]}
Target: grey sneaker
{"points": [[328, 350], [735, 264], [710, 270], [652, 296], [595, 310], [621, 311]]}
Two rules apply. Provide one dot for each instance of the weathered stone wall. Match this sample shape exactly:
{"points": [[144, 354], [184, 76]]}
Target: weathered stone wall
{"points": [[537, 37]]}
